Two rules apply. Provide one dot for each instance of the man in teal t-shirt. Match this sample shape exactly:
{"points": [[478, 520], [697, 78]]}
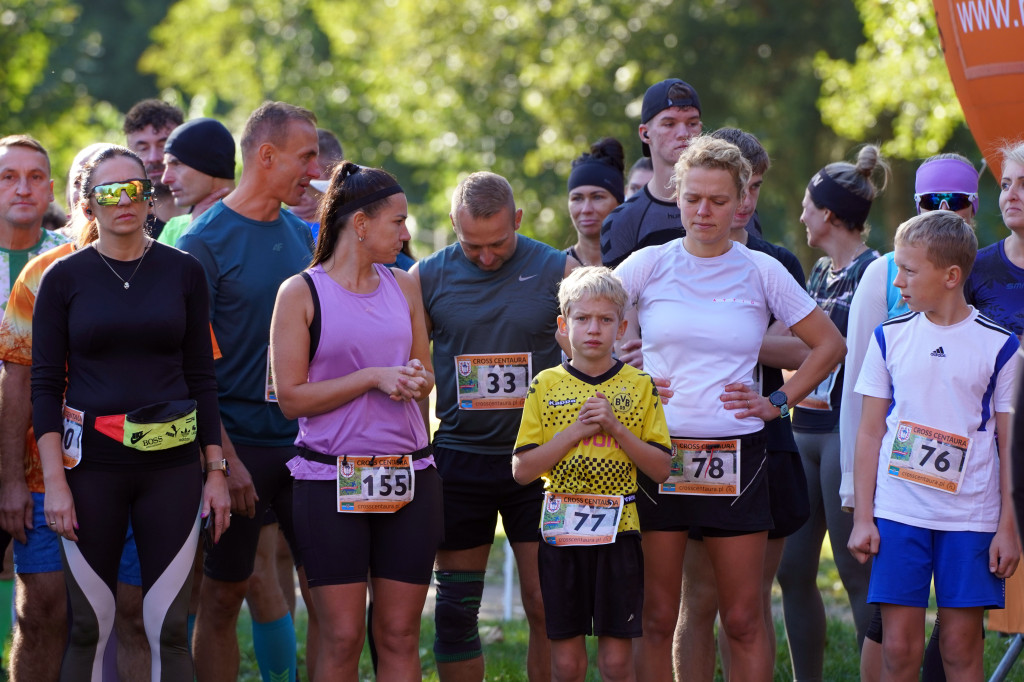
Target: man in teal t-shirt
{"points": [[248, 246]]}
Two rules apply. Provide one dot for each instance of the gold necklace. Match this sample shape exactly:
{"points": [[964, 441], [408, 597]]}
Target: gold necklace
{"points": [[130, 277]]}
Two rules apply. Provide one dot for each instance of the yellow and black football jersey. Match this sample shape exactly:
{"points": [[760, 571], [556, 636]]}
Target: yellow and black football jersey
{"points": [[597, 464]]}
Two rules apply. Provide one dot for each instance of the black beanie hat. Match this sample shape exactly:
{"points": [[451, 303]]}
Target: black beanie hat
{"points": [[204, 144], [598, 173]]}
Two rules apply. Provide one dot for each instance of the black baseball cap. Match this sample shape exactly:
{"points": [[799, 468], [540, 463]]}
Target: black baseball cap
{"points": [[656, 100]]}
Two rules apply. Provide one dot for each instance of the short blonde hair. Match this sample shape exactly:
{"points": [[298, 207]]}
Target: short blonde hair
{"points": [[593, 281], [947, 237], [715, 154]]}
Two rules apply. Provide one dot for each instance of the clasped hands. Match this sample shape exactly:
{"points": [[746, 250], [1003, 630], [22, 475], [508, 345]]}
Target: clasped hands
{"points": [[406, 382]]}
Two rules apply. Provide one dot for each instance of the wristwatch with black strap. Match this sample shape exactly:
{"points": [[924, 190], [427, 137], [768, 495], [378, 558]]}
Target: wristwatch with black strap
{"points": [[780, 400]]}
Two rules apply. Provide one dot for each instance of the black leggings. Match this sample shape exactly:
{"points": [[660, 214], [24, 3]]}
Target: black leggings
{"points": [[163, 506]]}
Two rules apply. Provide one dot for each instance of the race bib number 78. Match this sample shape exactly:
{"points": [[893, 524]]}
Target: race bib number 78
{"points": [[703, 467]]}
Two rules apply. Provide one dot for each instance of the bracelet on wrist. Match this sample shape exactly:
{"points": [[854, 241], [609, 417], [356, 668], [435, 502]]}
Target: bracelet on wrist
{"points": [[218, 465]]}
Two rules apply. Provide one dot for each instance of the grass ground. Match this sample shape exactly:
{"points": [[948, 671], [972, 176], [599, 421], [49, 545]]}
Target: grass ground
{"points": [[506, 655]]}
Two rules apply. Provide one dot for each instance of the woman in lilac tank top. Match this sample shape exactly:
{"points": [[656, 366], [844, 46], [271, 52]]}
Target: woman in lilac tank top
{"points": [[350, 359]]}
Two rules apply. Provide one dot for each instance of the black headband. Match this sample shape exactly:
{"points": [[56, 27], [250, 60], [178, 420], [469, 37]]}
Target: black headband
{"points": [[845, 204], [353, 206], [599, 174]]}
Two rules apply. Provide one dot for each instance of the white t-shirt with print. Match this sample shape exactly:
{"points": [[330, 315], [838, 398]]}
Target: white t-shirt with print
{"points": [[703, 321], [953, 378]]}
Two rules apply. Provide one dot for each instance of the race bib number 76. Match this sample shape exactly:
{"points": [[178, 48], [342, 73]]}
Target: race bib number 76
{"points": [[927, 456]]}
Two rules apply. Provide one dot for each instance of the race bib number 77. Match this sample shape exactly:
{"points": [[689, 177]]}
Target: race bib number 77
{"points": [[570, 519]]}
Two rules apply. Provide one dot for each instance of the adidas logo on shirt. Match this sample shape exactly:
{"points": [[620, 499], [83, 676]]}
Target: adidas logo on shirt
{"points": [[938, 353]]}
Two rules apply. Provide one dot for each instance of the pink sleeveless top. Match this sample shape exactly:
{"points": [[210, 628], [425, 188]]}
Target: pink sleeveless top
{"points": [[358, 331]]}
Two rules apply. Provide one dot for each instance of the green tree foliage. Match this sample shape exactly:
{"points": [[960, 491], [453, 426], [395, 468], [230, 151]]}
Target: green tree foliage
{"points": [[897, 92], [40, 90], [100, 51], [433, 90], [30, 30], [897, 83]]}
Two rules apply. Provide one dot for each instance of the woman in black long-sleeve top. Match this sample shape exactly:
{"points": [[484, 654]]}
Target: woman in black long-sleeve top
{"points": [[124, 405]]}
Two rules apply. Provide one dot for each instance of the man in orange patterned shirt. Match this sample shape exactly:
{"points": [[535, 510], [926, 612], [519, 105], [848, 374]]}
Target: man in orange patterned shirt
{"points": [[26, 190]]}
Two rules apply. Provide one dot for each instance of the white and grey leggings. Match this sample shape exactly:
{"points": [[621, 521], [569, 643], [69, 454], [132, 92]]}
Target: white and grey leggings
{"points": [[163, 505]]}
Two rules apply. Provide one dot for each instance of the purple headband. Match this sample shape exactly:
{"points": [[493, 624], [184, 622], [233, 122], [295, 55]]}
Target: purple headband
{"points": [[947, 175], [825, 191]]}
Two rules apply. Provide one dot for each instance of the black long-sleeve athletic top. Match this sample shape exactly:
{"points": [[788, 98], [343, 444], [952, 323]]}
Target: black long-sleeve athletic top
{"points": [[116, 350]]}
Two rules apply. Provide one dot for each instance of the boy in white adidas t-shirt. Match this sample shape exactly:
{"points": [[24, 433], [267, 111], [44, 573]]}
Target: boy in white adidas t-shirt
{"points": [[931, 479]]}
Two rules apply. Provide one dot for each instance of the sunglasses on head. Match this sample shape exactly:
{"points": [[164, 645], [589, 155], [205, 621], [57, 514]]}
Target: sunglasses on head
{"points": [[955, 201], [109, 194]]}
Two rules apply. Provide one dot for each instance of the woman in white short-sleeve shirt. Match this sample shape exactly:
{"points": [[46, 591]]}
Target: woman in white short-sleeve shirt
{"points": [[703, 303]]}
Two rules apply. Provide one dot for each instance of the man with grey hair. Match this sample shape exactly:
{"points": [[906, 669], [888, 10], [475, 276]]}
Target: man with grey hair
{"points": [[248, 246], [491, 303]]}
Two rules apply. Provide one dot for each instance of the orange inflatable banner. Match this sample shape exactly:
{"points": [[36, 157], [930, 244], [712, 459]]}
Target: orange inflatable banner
{"points": [[983, 41]]}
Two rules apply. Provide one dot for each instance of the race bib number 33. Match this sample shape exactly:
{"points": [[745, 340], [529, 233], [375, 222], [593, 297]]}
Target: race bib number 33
{"points": [[929, 457], [375, 484], [703, 467], [493, 382], [570, 519]]}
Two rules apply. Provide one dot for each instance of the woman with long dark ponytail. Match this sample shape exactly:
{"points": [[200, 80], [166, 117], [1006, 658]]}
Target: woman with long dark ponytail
{"points": [[350, 355]]}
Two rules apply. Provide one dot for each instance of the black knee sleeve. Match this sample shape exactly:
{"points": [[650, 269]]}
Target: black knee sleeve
{"points": [[874, 631], [456, 637]]}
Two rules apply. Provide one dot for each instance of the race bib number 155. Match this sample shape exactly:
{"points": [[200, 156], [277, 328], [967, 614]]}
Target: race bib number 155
{"points": [[375, 484]]}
